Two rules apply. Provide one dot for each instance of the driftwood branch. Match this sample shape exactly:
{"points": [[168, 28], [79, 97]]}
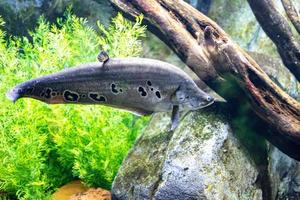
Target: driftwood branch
{"points": [[292, 13], [210, 53], [279, 31]]}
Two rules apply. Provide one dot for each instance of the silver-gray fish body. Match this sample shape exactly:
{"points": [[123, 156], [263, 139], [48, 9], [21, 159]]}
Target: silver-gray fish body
{"points": [[136, 84]]}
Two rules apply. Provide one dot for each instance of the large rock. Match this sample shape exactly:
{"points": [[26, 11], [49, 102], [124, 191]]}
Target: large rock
{"points": [[284, 174], [201, 160]]}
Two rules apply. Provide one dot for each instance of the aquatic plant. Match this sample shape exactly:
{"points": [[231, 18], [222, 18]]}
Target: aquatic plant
{"points": [[44, 146]]}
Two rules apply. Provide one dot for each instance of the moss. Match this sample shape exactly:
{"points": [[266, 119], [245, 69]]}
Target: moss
{"points": [[198, 121]]}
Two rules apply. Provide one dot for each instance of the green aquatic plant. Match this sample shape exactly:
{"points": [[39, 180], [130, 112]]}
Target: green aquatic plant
{"points": [[44, 146], [122, 43]]}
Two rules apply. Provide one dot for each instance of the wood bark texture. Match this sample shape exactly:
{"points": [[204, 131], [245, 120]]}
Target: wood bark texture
{"points": [[292, 13], [278, 30], [211, 54]]}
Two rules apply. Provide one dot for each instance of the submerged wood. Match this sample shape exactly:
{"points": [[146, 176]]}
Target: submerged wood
{"points": [[278, 30], [211, 54], [292, 13]]}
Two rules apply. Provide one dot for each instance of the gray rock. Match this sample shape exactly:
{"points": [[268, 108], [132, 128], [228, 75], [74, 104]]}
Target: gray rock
{"points": [[201, 160], [284, 173]]}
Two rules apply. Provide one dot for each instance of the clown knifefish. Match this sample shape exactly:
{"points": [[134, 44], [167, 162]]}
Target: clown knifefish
{"points": [[139, 85]]}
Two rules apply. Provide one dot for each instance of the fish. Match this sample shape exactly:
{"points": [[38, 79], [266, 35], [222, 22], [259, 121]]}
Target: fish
{"points": [[140, 85]]}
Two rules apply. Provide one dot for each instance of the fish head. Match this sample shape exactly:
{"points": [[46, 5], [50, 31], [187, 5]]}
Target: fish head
{"points": [[190, 97]]}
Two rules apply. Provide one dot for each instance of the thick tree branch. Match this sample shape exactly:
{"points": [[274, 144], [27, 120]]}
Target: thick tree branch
{"points": [[217, 56], [278, 30], [292, 13]]}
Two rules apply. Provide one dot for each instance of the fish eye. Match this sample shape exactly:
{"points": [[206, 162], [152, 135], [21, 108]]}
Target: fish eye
{"points": [[209, 98]]}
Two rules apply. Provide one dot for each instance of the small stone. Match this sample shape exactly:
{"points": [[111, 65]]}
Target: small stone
{"points": [[66, 191], [92, 194], [75, 190]]}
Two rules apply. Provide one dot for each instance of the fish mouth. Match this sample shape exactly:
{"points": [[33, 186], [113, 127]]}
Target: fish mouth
{"points": [[203, 105], [213, 101]]}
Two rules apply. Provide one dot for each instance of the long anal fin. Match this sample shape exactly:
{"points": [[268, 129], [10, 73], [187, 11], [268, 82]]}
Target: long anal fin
{"points": [[175, 117], [140, 112]]}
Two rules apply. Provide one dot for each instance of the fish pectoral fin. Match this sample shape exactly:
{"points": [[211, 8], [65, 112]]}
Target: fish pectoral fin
{"points": [[175, 117], [178, 96]]}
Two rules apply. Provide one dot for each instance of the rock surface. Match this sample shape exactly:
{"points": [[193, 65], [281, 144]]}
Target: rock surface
{"points": [[284, 173], [201, 160]]}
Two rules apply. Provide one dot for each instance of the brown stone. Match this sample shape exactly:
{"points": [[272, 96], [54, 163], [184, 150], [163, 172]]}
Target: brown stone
{"points": [[66, 191], [75, 190], [92, 194]]}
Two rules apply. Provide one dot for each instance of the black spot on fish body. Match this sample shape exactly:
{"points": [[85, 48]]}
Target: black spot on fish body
{"points": [[83, 95], [120, 90], [151, 89], [95, 96], [53, 94], [149, 83], [46, 93], [71, 96], [142, 91], [157, 93], [102, 98], [113, 88]]}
